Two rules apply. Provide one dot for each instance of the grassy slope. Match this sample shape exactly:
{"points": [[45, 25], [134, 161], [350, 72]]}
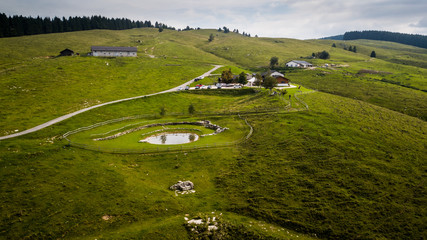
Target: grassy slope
{"points": [[402, 89], [26, 75], [345, 169], [66, 84]]}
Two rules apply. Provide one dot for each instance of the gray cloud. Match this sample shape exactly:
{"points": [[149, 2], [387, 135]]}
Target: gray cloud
{"points": [[420, 24], [274, 18]]}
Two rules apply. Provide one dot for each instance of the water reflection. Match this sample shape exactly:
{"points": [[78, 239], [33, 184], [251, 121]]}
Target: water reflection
{"points": [[172, 138], [163, 138]]}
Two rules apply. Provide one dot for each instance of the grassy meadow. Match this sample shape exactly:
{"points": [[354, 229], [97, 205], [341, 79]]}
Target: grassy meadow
{"points": [[351, 166]]}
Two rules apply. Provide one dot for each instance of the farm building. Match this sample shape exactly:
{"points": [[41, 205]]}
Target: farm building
{"points": [[98, 51], [66, 52], [276, 74], [299, 64], [272, 73], [282, 81]]}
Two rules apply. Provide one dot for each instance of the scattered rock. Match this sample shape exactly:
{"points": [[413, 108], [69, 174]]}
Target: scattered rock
{"points": [[182, 186], [106, 217]]}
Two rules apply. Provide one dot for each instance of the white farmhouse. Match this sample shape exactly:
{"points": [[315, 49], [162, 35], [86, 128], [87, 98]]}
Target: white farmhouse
{"points": [[300, 64], [99, 51]]}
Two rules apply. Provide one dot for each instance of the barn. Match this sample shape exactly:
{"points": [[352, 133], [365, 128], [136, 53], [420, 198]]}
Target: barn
{"points": [[299, 64], [100, 51]]}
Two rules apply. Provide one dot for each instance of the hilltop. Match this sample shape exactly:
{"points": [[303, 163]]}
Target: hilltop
{"points": [[350, 165]]}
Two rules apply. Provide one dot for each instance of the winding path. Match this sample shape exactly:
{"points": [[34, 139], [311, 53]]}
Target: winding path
{"points": [[62, 118]]}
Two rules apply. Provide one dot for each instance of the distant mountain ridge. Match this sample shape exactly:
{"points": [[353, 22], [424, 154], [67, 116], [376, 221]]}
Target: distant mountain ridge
{"points": [[416, 40]]}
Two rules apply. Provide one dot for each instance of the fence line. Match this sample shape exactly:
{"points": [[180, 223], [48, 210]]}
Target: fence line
{"points": [[301, 101], [181, 147], [153, 149]]}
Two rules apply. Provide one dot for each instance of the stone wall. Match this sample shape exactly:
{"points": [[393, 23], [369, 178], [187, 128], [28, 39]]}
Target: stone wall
{"points": [[206, 124]]}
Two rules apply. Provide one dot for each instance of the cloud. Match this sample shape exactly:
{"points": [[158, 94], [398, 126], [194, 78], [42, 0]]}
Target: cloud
{"points": [[420, 24], [271, 18]]}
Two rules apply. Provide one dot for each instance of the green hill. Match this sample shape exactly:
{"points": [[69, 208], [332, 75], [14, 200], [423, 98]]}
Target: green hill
{"points": [[350, 167]]}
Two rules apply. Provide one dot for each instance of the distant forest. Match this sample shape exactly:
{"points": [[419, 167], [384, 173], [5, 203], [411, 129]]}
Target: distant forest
{"points": [[13, 26], [408, 39]]}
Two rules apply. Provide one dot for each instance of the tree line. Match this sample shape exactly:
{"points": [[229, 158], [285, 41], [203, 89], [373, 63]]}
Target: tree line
{"points": [[404, 38], [227, 30], [14, 26]]}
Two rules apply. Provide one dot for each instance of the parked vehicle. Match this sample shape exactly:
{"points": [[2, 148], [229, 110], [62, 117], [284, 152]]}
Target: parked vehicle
{"points": [[187, 87], [180, 89], [237, 86], [209, 87], [198, 86]]}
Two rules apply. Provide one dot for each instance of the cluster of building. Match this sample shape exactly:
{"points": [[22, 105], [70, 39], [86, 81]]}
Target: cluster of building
{"points": [[101, 51], [282, 81]]}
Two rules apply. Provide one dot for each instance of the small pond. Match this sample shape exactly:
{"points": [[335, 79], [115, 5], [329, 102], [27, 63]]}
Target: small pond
{"points": [[168, 138]]}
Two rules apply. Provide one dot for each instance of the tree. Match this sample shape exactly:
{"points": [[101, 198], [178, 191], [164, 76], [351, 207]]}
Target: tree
{"points": [[258, 79], [350, 49], [160, 29], [274, 61], [269, 82], [226, 76], [373, 54], [211, 37], [219, 30], [323, 55], [333, 45], [162, 111], [191, 109], [354, 49], [242, 78]]}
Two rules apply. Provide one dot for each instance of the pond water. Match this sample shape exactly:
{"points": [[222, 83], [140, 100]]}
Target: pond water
{"points": [[171, 138]]}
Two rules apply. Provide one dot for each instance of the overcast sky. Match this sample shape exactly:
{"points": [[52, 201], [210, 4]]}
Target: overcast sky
{"points": [[302, 19]]}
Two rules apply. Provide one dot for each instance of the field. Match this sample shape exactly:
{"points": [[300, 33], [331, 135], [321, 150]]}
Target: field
{"points": [[351, 166]]}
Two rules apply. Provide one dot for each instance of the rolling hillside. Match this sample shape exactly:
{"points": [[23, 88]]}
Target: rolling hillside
{"points": [[350, 167]]}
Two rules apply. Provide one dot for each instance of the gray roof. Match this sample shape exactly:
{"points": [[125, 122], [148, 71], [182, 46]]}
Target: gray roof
{"points": [[114, 49], [301, 62]]}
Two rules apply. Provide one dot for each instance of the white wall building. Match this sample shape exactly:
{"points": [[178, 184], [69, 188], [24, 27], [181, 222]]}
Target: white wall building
{"points": [[300, 64], [98, 51]]}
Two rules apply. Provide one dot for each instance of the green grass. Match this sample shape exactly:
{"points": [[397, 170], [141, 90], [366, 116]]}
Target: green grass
{"points": [[236, 132], [348, 168], [366, 88], [66, 84], [344, 169]]}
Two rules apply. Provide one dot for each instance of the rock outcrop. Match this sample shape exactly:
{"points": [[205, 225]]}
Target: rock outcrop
{"points": [[182, 186]]}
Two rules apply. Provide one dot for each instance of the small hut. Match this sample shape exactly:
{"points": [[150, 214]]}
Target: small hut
{"points": [[66, 52]]}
